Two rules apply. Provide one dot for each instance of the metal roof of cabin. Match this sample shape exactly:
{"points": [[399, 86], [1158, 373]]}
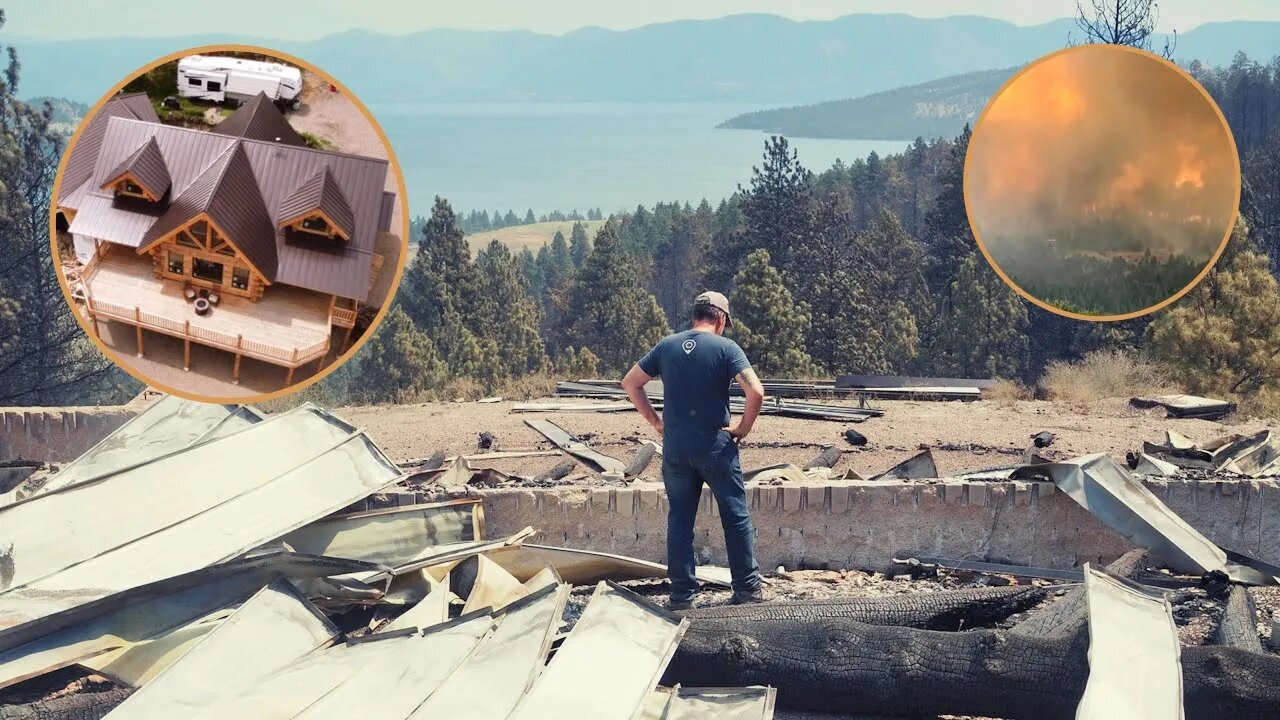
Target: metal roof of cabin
{"points": [[83, 156], [228, 194], [260, 119], [277, 170], [146, 165], [320, 192]]}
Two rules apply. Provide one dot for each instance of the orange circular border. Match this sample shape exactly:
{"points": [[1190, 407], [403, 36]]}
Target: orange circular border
{"points": [[1235, 213], [342, 359]]}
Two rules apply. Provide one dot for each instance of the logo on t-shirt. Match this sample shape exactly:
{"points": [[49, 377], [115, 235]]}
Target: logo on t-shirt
{"points": [[688, 346]]}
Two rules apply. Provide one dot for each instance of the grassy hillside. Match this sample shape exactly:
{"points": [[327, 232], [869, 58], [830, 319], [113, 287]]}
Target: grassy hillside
{"points": [[934, 109], [528, 236]]}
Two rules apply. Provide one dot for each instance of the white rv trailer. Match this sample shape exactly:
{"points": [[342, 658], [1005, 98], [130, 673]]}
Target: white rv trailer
{"points": [[235, 80]]}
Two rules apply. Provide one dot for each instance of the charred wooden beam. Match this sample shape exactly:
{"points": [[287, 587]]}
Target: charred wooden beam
{"points": [[1239, 625], [946, 610], [644, 456], [564, 468]]}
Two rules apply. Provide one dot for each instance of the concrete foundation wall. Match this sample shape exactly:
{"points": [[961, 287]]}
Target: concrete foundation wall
{"points": [[56, 434], [866, 524]]}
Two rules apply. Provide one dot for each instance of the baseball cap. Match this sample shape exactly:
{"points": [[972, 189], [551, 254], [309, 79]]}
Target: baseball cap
{"points": [[717, 301]]}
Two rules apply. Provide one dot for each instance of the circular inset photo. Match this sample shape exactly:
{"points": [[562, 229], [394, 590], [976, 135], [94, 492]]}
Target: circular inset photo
{"points": [[229, 224], [1102, 182]]}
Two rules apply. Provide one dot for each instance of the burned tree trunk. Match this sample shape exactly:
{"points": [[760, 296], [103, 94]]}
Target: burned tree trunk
{"points": [[829, 456], [76, 706], [555, 473], [947, 610], [844, 666], [1239, 625], [644, 455]]}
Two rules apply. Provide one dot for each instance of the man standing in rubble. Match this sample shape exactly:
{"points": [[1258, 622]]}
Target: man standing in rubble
{"points": [[699, 444]]}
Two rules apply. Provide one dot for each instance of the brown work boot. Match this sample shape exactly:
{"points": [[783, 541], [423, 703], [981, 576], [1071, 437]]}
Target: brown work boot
{"points": [[748, 597]]}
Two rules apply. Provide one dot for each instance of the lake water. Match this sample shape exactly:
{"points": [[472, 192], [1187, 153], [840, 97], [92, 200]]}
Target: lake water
{"points": [[549, 156]]}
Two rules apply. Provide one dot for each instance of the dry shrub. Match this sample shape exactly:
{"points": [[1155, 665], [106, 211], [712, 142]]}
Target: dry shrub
{"points": [[1104, 374], [528, 387], [462, 388], [1008, 392], [1263, 405]]}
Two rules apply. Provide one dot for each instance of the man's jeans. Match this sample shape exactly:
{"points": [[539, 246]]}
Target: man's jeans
{"points": [[683, 477]]}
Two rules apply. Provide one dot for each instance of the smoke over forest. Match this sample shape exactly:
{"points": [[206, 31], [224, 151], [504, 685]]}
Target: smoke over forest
{"points": [[1102, 150]]}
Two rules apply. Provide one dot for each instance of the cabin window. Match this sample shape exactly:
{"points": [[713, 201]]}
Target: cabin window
{"points": [[213, 86], [131, 187], [200, 230], [226, 250], [175, 262], [315, 224], [184, 238], [193, 81], [206, 270], [240, 278]]}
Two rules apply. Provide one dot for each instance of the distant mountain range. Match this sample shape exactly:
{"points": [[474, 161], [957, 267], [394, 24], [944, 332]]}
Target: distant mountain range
{"points": [[758, 59], [938, 108]]}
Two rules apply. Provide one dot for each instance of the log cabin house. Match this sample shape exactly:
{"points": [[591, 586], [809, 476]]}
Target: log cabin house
{"points": [[276, 238]]}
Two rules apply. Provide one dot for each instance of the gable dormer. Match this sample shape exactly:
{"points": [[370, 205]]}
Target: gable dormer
{"points": [[317, 210], [143, 175]]}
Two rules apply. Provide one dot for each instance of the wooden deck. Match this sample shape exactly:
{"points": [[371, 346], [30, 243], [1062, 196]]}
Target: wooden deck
{"points": [[289, 326]]}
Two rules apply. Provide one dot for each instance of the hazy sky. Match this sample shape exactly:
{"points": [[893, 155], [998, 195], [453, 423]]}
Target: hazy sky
{"points": [[305, 19]]}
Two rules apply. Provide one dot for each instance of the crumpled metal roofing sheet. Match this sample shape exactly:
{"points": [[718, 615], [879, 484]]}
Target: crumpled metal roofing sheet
{"points": [[1101, 486], [393, 686], [611, 661], [1134, 670], [273, 629], [168, 425], [749, 703], [146, 612], [409, 666], [52, 532], [390, 537], [137, 664], [490, 683], [312, 490]]}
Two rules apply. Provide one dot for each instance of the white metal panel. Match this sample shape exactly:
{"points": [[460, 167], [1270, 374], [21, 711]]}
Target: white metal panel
{"points": [[334, 480], [611, 661], [277, 624], [170, 424], [491, 681], [1134, 667], [51, 532], [393, 685]]}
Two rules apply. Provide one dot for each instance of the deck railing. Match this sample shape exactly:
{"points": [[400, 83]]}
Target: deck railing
{"points": [[185, 329], [342, 317]]}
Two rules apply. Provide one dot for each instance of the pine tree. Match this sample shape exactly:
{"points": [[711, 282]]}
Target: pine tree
{"points": [[889, 261], [609, 312], [579, 365], [948, 238], [529, 218], [531, 273], [506, 315], [767, 322], [579, 245], [981, 330], [559, 270], [440, 294], [778, 208], [1224, 336], [677, 265], [399, 362], [846, 335]]}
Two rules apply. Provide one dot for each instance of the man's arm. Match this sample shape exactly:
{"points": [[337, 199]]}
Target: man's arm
{"points": [[634, 383], [754, 391]]}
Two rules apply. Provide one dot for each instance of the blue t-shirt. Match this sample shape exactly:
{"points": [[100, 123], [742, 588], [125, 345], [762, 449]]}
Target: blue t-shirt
{"points": [[696, 368]]}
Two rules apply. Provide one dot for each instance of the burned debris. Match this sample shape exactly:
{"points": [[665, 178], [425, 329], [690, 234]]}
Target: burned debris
{"points": [[146, 579]]}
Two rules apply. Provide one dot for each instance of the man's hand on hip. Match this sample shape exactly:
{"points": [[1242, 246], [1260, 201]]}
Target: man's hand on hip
{"points": [[737, 431]]}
